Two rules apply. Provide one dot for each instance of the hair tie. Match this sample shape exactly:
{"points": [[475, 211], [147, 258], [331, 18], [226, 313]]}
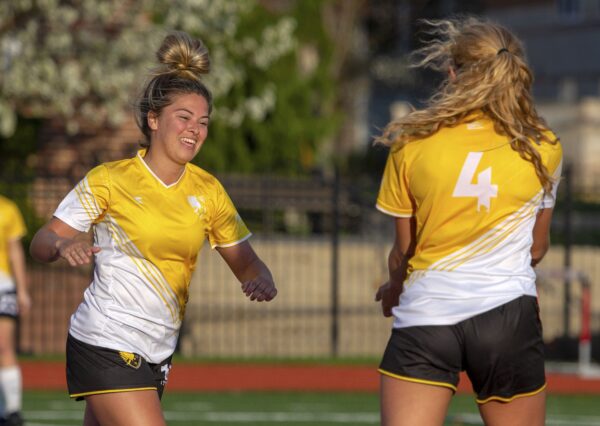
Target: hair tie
{"points": [[504, 49]]}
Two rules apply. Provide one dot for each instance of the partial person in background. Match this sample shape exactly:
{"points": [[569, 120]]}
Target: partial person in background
{"points": [[151, 215], [14, 302], [471, 182]]}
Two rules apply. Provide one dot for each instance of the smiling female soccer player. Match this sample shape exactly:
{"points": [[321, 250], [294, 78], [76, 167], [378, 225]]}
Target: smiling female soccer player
{"points": [[150, 215], [471, 181]]}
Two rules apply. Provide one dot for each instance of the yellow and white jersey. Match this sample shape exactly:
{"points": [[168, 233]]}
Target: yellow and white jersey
{"points": [[150, 235], [12, 228], [475, 202]]}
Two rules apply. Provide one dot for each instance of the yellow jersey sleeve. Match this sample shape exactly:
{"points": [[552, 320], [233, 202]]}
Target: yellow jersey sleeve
{"points": [[394, 195], [15, 225], [12, 228], [226, 227], [552, 159], [87, 202]]}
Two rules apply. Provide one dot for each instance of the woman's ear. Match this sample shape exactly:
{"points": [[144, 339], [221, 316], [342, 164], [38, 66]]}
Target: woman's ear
{"points": [[152, 120]]}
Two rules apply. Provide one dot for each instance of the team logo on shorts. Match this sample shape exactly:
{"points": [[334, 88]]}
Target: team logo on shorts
{"points": [[132, 360]]}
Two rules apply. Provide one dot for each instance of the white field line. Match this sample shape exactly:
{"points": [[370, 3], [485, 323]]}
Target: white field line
{"points": [[238, 417], [65, 404], [51, 415], [275, 417], [291, 417], [44, 424], [193, 406]]}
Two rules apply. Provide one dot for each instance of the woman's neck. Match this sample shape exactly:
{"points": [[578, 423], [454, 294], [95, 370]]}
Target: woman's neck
{"points": [[167, 171]]}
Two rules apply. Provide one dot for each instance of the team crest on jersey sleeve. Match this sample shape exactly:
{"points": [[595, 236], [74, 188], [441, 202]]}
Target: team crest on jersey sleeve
{"points": [[197, 203], [131, 359]]}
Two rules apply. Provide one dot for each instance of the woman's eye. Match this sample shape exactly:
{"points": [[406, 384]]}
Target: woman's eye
{"points": [[184, 118]]}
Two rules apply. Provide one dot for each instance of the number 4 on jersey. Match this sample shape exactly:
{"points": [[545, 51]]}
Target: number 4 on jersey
{"points": [[483, 189]]}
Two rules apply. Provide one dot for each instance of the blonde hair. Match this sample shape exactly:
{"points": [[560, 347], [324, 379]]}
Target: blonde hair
{"points": [[491, 76], [183, 61], [183, 56]]}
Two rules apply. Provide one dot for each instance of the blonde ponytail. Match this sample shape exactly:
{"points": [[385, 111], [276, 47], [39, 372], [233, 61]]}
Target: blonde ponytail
{"points": [[491, 76]]}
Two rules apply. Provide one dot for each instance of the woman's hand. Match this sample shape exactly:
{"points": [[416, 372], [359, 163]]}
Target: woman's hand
{"points": [[57, 240], [402, 250], [388, 295], [24, 302], [255, 277], [76, 252], [260, 289]]}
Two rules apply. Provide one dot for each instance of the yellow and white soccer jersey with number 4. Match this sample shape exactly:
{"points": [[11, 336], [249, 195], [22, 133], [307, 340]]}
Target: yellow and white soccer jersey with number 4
{"points": [[150, 235], [12, 228], [475, 202]]}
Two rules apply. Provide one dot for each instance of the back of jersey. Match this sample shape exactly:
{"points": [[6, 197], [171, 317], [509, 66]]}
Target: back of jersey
{"points": [[475, 202]]}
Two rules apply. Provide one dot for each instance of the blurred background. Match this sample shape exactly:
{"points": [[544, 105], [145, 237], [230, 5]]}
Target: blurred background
{"points": [[301, 88]]}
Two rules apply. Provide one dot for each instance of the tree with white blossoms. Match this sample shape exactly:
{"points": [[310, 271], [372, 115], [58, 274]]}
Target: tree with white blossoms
{"points": [[77, 61], [81, 61], [276, 109]]}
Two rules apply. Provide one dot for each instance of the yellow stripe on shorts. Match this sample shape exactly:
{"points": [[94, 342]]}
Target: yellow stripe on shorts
{"points": [[501, 399], [422, 381], [79, 395]]}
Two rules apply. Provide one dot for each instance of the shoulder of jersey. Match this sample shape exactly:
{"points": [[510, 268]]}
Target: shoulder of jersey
{"points": [[552, 152], [114, 165], [125, 162], [552, 146], [414, 146], [198, 173], [6, 202], [443, 133]]}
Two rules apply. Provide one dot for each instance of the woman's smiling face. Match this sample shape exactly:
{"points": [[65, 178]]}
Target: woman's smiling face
{"points": [[180, 129]]}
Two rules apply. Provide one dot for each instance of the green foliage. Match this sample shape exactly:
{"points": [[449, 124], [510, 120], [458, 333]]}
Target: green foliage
{"points": [[295, 114], [77, 61], [83, 61], [16, 150]]}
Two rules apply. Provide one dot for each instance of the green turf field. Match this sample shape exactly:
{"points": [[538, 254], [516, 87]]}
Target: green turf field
{"points": [[291, 408]]}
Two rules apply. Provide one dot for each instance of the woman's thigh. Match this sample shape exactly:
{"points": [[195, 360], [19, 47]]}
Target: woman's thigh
{"points": [[124, 409], [524, 411], [405, 403], [7, 342]]}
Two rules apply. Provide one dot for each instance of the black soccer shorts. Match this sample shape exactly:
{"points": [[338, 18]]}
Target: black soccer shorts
{"points": [[8, 304], [93, 370], [501, 350]]}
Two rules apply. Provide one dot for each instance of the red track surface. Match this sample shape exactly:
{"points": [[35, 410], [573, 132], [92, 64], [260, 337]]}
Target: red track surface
{"points": [[252, 377]]}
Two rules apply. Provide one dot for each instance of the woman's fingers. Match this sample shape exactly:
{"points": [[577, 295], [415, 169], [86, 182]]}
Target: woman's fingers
{"points": [[77, 253], [259, 289]]}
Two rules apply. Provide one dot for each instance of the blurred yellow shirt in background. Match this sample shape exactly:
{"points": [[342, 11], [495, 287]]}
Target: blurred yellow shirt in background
{"points": [[12, 227]]}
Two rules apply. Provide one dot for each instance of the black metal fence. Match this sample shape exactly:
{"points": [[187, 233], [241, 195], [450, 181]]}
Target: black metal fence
{"points": [[327, 247]]}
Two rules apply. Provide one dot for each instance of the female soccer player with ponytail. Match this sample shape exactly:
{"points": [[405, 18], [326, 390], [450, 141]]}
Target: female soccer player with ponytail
{"points": [[150, 215], [470, 181]]}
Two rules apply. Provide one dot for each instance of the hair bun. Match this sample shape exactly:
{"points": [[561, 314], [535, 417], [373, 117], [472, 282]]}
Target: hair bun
{"points": [[181, 53]]}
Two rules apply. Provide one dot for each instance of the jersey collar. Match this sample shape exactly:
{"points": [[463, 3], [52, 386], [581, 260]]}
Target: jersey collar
{"points": [[140, 155]]}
